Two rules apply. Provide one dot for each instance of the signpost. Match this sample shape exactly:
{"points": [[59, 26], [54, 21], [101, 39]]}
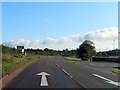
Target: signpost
{"points": [[21, 48]]}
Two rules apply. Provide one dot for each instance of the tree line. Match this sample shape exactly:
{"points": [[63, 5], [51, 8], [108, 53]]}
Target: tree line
{"points": [[115, 52], [85, 51]]}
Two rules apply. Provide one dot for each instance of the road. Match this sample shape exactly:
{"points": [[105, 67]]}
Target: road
{"points": [[66, 74]]}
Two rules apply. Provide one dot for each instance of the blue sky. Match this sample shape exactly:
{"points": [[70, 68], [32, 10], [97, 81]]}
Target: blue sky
{"points": [[53, 25]]}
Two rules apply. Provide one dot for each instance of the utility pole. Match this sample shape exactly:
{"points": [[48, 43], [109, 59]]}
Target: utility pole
{"points": [[119, 39], [113, 44]]}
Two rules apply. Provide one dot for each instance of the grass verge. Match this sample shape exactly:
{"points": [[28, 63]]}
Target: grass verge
{"points": [[73, 58], [8, 68], [116, 70]]}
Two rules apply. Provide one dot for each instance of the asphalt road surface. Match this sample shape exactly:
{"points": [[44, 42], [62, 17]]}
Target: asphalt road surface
{"points": [[66, 74]]}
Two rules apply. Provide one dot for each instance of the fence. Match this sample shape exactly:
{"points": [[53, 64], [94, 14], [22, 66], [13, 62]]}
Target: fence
{"points": [[107, 59]]}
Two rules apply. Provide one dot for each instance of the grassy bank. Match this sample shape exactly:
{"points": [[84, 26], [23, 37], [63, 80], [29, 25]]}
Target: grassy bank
{"points": [[13, 58], [73, 58], [8, 67], [116, 70]]}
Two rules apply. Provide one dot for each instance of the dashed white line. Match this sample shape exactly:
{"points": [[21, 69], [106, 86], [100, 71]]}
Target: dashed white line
{"points": [[58, 65], [64, 71], [67, 73], [108, 80]]}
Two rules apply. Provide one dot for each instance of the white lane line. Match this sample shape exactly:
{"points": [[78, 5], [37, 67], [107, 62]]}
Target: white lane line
{"points": [[58, 65], [108, 80], [67, 73], [64, 71]]}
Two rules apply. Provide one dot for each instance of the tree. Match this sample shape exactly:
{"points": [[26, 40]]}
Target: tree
{"points": [[72, 53], [86, 50], [115, 52]]}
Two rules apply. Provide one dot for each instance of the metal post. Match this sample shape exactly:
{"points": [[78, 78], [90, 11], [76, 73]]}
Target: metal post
{"points": [[113, 44]]}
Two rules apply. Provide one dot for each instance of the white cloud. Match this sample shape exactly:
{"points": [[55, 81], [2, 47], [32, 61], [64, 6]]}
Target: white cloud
{"points": [[23, 42], [72, 38], [35, 44], [103, 39], [102, 34], [106, 45], [76, 38], [50, 41], [65, 40], [15, 42]]}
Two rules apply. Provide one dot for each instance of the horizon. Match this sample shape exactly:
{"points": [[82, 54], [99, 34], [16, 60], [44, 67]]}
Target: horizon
{"points": [[57, 49]]}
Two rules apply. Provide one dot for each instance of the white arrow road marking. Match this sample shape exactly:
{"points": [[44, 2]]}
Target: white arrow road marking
{"points": [[108, 80], [43, 79]]}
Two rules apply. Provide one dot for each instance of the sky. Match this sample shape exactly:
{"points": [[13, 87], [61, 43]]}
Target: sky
{"points": [[60, 25]]}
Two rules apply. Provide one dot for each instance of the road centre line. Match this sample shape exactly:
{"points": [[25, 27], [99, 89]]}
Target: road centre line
{"points": [[64, 71], [107, 80], [67, 73], [58, 65]]}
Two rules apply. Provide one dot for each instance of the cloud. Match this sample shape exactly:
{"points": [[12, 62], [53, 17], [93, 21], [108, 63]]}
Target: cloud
{"points": [[105, 45], [65, 40], [72, 38], [23, 42], [49, 41], [35, 44], [38, 43], [103, 38], [99, 37], [17, 42], [102, 34], [76, 38]]}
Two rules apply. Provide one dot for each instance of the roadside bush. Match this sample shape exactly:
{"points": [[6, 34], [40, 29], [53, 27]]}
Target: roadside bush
{"points": [[7, 58], [29, 58]]}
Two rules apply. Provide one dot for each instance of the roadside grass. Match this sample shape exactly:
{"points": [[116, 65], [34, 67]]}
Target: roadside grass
{"points": [[9, 67], [112, 62], [73, 59], [116, 70]]}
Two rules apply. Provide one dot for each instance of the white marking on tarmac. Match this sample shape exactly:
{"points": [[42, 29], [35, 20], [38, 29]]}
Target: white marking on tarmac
{"points": [[64, 71], [58, 65], [43, 79], [108, 80], [67, 73]]}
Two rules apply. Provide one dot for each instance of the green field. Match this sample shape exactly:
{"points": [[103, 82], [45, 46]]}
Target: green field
{"points": [[8, 67], [116, 70], [73, 58]]}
